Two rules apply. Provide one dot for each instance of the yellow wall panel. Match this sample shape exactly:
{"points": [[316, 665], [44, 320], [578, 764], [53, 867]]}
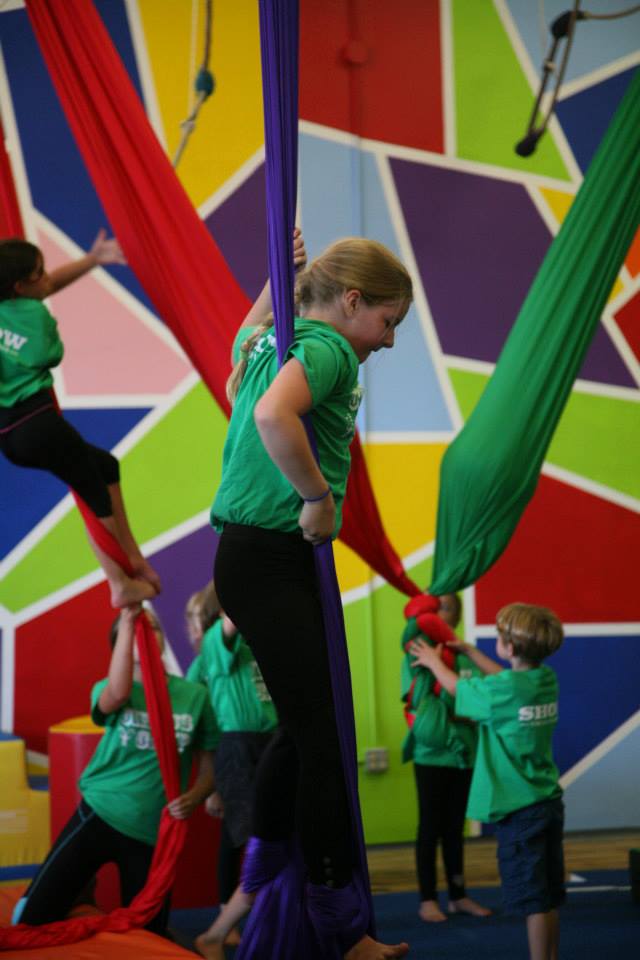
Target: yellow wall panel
{"points": [[229, 128], [405, 481]]}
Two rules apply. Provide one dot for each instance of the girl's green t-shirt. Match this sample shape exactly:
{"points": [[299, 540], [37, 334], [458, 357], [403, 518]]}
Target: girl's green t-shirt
{"points": [[253, 490], [517, 711], [29, 345], [237, 691], [122, 781]]}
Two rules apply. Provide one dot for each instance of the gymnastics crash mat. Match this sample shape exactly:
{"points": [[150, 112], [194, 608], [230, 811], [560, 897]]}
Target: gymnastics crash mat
{"points": [[24, 813], [135, 945]]}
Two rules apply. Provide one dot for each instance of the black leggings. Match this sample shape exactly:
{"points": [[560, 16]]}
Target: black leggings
{"points": [[266, 582], [33, 434], [84, 845], [229, 860], [442, 799]]}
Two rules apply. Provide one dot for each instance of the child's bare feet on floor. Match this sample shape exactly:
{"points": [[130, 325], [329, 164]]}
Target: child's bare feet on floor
{"points": [[369, 949], [430, 912], [467, 905], [208, 949]]}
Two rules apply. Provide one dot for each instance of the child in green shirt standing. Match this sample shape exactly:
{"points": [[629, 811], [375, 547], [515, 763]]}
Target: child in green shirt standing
{"points": [[515, 780]]}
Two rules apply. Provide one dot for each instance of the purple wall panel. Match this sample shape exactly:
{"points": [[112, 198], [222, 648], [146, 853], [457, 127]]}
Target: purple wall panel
{"points": [[185, 567]]}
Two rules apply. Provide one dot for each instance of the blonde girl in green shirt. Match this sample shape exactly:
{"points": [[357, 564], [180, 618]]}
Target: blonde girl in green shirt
{"points": [[274, 503]]}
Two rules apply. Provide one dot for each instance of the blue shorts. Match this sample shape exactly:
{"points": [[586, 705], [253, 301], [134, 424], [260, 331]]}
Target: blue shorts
{"points": [[531, 859]]}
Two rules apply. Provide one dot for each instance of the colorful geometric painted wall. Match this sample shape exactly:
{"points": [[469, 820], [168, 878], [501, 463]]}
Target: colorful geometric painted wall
{"points": [[409, 114]]}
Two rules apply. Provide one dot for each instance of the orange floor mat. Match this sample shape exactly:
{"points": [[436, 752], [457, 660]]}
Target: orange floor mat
{"points": [[135, 945]]}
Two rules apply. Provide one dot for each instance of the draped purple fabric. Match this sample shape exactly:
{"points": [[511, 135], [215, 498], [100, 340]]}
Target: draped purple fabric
{"points": [[290, 920]]}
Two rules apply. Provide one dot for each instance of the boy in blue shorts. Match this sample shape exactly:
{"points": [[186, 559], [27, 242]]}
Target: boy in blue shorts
{"points": [[515, 781]]}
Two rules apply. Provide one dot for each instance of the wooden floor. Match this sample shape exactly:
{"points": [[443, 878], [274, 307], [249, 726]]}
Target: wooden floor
{"points": [[392, 868]]}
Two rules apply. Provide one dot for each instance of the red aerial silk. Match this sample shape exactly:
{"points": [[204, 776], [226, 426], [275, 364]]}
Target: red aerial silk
{"points": [[10, 219], [165, 242]]}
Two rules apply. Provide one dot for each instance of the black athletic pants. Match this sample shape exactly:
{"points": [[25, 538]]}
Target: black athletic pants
{"points": [[229, 860], [84, 845], [266, 582], [442, 801], [33, 434]]}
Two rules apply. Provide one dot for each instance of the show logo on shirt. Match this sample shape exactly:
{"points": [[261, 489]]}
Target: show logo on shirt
{"points": [[134, 727], [257, 679], [11, 342], [261, 344], [538, 714], [355, 400]]}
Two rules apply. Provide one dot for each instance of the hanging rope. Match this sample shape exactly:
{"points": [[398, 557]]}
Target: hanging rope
{"points": [[204, 85], [562, 28]]}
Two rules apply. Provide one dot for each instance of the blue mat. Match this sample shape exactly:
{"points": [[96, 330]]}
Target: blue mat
{"points": [[598, 921]]}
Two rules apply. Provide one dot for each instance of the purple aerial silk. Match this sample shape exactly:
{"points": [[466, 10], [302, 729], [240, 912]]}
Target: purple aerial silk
{"points": [[289, 919]]}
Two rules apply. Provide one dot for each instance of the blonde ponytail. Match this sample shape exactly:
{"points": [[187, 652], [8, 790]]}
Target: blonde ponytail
{"points": [[238, 372]]}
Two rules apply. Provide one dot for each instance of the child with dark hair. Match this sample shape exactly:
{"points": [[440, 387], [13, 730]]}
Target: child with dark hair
{"points": [[443, 748], [32, 431], [122, 794], [515, 781]]}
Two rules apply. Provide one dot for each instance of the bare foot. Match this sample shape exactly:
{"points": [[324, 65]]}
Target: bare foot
{"points": [[143, 569], [467, 905], [430, 912], [233, 938], [369, 949], [209, 949], [126, 592]]}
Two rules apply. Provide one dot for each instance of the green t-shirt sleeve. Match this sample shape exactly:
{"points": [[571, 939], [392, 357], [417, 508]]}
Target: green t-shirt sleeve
{"points": [[207, 733], [195, 672], [324, 365], [473, 698], [99, 718]]}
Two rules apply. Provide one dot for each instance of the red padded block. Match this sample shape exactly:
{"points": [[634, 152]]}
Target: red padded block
{"points": [[59, 656], [71, 746], [573, 552], [368, 70]]}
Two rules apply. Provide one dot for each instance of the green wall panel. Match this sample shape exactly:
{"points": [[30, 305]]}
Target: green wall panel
{"points": [[488, 128], [597, 436]]}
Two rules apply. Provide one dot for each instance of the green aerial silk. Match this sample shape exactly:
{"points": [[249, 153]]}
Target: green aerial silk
{"points": [[490, 471]]}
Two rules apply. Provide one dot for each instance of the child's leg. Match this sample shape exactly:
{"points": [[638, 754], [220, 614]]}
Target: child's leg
{"points": [[49, 442], [210, 943], [542, 933], [81, 848], [229, 859], [429, 815], [142, 568], [458, 782]]}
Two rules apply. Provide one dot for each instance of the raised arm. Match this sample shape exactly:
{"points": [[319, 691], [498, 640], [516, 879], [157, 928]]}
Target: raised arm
{"points": [[105, 250], [120, 677], [263, 305], [481, 660], [277, 415]]}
